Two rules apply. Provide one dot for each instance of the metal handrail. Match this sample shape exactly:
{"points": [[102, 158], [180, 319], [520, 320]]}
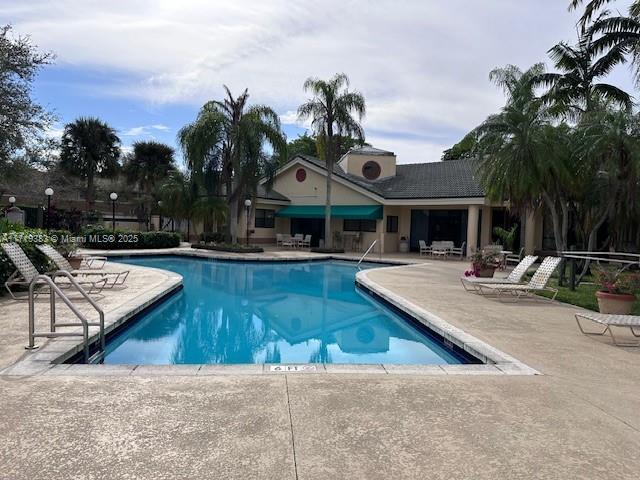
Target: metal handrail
{"points": [[367, 252], [598, 257], [49, 280]]}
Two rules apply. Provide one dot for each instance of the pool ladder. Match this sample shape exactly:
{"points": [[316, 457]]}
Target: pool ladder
{"points": [[53, 290], [367, 252]]}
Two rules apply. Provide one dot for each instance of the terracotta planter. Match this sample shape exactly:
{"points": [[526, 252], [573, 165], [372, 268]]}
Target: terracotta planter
{"points": [[486, 272], [75, 262], [615, 304]]}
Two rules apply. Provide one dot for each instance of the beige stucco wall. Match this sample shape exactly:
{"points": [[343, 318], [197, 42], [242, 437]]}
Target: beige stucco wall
{"points": [[353, 164], [313, 190]]}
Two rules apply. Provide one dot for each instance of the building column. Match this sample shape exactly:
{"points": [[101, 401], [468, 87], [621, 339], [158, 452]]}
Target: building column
{"points": [[472, 228], [380, 228], [485, 229]]}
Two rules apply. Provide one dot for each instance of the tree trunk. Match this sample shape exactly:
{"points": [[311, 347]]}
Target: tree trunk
{"points": [[328, 241], [591, 244], [233, 219], [89, 194]]}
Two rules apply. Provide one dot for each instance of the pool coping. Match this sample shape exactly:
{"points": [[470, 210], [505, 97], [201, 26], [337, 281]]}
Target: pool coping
{"points": [[48, 359]]}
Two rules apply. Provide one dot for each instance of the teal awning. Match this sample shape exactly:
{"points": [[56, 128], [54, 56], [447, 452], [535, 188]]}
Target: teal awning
{"points": [[353, 212]]}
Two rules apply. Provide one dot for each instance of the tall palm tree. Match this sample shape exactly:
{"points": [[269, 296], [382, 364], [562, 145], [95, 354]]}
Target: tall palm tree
{"points": [[576, 89], [148, 165], [331, 110], [613, 29], [523, 158], [89, 148], [225, 147]]}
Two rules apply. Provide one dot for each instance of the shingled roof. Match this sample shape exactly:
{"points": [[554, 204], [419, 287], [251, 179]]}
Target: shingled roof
{"points": [[450, 179]]}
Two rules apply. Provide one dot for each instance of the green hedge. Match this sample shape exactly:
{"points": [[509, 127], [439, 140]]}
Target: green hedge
{"points": [[101, 238]]}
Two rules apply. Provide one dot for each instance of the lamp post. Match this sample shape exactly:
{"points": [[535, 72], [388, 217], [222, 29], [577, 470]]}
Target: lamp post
{"points": [[49, 193], [247, 204], [113, 196], [12, 201], [160, 207]]}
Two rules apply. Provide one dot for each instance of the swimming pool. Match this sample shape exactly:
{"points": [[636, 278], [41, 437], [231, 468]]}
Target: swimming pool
{"points": [[271, 312]]}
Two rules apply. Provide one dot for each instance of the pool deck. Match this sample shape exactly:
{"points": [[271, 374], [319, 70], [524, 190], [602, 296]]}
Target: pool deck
{"points": [[579, 419]]}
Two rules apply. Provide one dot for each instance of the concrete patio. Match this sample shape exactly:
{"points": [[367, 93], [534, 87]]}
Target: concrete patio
{"points": [[577, 420]]}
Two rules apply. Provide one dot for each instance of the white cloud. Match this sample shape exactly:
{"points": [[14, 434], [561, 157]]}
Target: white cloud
{"points": [[144, 130], [422, 65]]}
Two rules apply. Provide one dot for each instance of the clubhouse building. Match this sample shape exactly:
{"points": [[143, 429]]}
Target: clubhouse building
{"points": [[375, 198]]}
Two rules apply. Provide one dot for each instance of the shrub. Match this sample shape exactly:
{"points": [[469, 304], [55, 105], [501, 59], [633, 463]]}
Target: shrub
{"points": [[212, 237], [99, 237], [227, 247]]}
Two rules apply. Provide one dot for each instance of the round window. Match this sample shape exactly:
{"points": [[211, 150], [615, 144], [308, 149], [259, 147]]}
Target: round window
{"points": [[371, 170], [301, 174]]}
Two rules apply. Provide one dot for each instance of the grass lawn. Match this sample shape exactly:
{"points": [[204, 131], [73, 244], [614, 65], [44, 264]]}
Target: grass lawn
{"points": [[582, 296]]}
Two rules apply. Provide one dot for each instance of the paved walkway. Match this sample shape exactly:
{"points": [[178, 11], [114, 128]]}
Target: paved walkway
{"points": [[578, 420]]}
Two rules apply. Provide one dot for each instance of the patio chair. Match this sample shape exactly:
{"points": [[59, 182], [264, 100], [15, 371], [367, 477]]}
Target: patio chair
{"points": [[112, 278], [297, 240], [279, 239], [631, 322], [460, 251], [538, 283], [470, 284], [513, 258], [26, 273], [288, 241], [424, 248], [306, 242], [441, 249]]}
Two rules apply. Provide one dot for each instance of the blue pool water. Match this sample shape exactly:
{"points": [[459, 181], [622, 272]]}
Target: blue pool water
{"points": [[251, 312]]}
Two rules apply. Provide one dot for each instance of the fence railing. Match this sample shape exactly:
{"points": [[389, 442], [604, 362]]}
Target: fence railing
{"points": [[626, 260]]}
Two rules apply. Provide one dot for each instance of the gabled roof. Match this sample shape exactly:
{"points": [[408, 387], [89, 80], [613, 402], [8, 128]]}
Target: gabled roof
{"points": [[450, 179], [265, 194]]}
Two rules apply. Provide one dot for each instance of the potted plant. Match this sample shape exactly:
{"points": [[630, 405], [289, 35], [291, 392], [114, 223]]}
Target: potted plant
{"points": [[483, 264], [616, 291]]}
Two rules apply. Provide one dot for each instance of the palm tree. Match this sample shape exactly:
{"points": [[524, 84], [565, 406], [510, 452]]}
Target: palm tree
{"points": [[146, 167], [576, 90], [181, 198], [90, 148], [608, 147], [523, 158], [613, 30], [225, 147], [331, 111], [149, 164]]}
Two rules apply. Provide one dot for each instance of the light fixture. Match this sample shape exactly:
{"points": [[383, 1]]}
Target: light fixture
{"points": [[12, 200], [113, 196], [247, 204], [48, 191]]}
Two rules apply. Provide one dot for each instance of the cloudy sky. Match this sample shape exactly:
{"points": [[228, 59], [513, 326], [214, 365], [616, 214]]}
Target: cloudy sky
{"points": [[146, 66]]}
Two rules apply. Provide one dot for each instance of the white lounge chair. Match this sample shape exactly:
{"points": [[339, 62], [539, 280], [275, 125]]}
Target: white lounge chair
{"points": [[632, 322], [538, 283], [424, 249], [470, 284], [26, 273], [112, 278]]}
